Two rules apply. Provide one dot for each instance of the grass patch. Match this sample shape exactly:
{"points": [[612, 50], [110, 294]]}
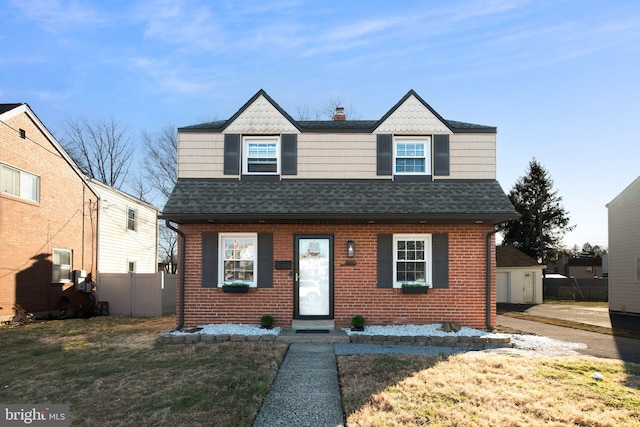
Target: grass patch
{"points": [[113, 372], [488, 389]]}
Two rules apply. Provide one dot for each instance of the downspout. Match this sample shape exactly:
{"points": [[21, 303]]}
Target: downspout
{"points": [[181, 268], [490, 234]]}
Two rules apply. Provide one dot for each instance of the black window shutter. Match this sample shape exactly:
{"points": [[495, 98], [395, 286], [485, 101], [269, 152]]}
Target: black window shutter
{"points": [[385, 155], [265, 260], [385, 260], [441, 155], [209, 260], [232, 154], [289, 150], [440, 257]]}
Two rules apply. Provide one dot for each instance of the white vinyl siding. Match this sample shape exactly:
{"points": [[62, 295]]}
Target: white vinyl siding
{"points": [[117, 244], [624, 250]]}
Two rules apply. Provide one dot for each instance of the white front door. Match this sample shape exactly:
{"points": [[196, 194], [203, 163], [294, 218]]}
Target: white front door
{"points": [[527, 288], [313, 290]]}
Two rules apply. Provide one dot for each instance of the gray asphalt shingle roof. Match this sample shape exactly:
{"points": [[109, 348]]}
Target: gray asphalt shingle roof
{"points": [[218, 200]]}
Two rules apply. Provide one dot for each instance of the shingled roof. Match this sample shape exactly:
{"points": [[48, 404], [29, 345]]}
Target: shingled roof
{"points": [[338, 126], [234, 201], [508, 256]]}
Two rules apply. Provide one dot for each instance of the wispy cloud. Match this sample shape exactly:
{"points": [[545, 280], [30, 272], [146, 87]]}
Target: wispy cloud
{"points": [[58, 16]]}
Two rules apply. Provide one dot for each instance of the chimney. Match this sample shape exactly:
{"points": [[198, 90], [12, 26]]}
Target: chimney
{"points": [[339, 116]]}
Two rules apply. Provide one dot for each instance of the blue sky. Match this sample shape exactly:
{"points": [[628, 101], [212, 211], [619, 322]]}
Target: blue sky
{"points": [[559, 79]]}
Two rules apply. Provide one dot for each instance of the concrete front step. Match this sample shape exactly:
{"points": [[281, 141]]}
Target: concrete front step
{"points": [[293, 335], [312, 324]]}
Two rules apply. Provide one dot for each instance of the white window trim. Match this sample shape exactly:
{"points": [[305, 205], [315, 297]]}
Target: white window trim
{"points": [[20, 174], [129, 261], [135, 219], [53, 264], [246, 140], [221, 239], [427, 140], [427, 256]]}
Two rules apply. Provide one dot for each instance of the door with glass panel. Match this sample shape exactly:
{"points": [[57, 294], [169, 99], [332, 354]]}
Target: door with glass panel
{"points": [[313, 288]]}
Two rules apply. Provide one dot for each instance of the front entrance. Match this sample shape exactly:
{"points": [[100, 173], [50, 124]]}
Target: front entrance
{"points": [[313, 281]]}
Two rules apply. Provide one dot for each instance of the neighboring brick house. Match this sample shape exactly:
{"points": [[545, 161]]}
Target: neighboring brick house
{"points": [[327, 219], [48, 219]]}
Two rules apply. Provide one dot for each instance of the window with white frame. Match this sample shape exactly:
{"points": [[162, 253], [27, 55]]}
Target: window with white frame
{"points": [[61, 265], [132, 219], [238, 255], [19, 183], [412, 155], [261, 155], [131, 266], [412, 259]]}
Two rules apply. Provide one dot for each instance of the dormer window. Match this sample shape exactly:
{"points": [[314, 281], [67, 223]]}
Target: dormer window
{"points": [[412, 155], [261, 155]]}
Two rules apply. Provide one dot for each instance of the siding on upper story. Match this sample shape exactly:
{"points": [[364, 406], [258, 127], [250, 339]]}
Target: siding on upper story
{"points": [[624, 249], [339, 155], [117, 245]]}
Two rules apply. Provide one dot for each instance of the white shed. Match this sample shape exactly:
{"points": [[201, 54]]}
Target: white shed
{"points": [[518, 277]]}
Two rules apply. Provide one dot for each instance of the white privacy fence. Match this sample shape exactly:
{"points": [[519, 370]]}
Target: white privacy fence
{"points": [[132, 294]]}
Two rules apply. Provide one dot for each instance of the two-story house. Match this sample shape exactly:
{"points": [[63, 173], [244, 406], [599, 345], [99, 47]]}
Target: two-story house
{"points": [[325, 220], [127, 232], [48, 217]]}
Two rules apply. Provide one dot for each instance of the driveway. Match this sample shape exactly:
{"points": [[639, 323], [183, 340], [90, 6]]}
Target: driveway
{"points": [[599, 345]]}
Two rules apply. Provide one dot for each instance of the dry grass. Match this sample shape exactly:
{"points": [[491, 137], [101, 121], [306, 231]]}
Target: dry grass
{"points": [[483, 389], [112, 372]]}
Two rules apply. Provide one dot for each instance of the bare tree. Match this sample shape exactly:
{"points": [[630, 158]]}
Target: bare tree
{"points": [[326, 111], [160, 162], [102, 149], [168, 245]]}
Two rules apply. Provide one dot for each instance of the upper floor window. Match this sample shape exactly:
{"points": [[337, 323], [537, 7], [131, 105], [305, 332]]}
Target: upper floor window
{"points": [[261, 155], [412, 259], [412, 155], [19, 183], [132, 219], [238, 257], [61, 265]]}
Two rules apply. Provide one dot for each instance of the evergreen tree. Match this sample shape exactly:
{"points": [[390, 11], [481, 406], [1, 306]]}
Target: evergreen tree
{"points": [[544, 221]]}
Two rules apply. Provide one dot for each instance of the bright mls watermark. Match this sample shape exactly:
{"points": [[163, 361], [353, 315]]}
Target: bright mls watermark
{"points": [[35, 415]]}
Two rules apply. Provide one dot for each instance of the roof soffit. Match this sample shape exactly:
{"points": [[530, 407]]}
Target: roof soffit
{"points": [[412, 116], [261, 116]]}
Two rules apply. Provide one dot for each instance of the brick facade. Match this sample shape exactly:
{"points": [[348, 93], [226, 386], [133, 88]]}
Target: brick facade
{"points": [[355, 286], [64, 217]]}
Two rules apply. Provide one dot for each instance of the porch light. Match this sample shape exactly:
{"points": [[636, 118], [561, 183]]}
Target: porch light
{"points": [[351, 249]]}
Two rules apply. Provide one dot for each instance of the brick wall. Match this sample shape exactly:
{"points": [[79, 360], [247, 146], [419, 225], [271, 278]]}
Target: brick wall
{"points": [[65, 217], [355, 287]]}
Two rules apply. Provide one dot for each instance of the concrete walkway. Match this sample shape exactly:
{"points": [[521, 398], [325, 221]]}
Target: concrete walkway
{"points": [[306, 390]]}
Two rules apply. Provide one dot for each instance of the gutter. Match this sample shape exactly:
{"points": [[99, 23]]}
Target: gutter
{"points": [[181, 249], [490, 234]]}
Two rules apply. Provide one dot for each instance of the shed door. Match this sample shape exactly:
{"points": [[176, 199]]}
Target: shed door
{"points": [[502, 287], [527, 288]]}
